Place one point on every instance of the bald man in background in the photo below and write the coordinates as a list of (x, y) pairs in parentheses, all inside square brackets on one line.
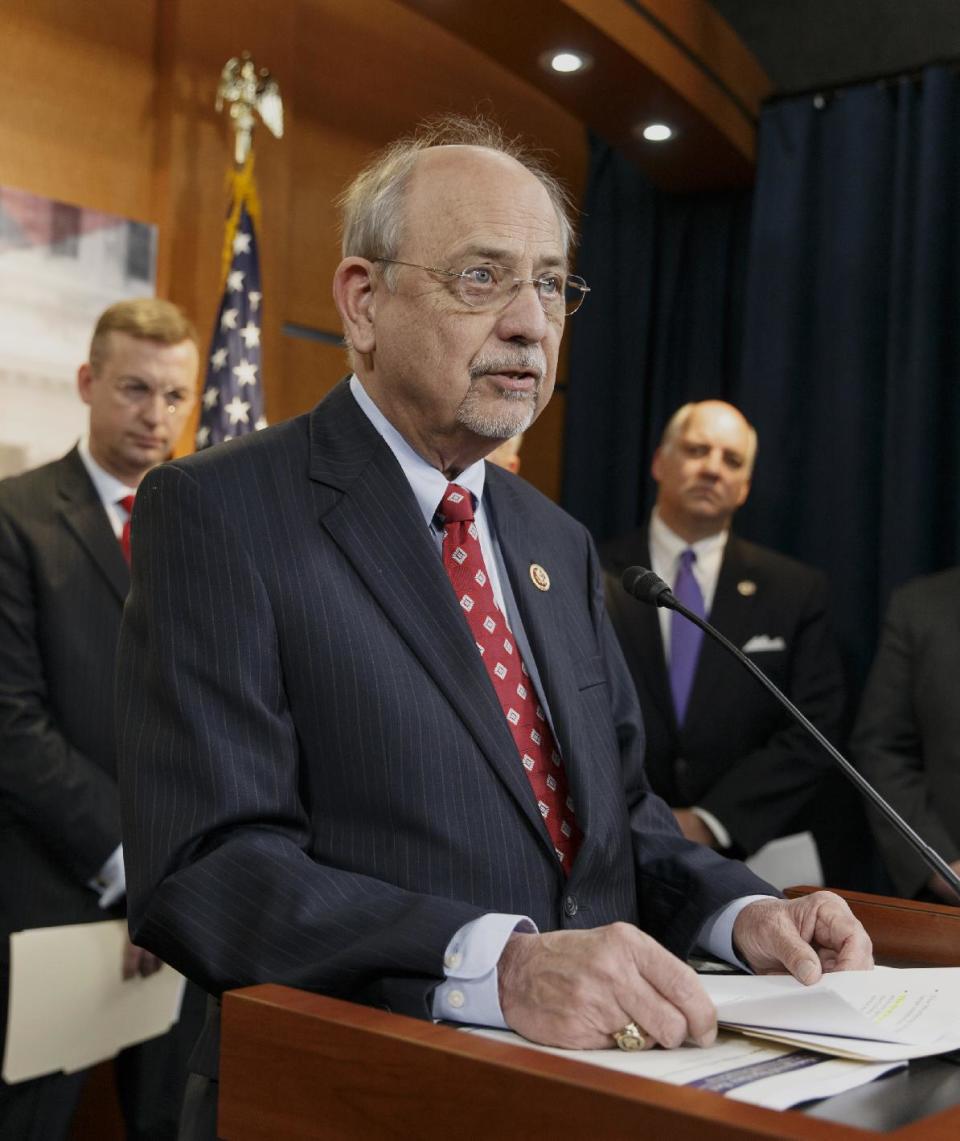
[(735, 769)]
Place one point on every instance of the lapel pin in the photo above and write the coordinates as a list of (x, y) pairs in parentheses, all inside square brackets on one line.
[(539, 577), (746, 587)]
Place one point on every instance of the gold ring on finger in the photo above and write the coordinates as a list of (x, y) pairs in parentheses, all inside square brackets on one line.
[(631, 1037)]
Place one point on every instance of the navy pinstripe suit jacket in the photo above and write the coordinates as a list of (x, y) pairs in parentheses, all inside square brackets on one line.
[(318, 783)]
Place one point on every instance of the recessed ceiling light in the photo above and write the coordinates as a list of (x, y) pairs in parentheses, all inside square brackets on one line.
[(565, 62), (657, 132)]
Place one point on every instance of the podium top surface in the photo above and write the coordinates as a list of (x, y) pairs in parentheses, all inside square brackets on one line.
[(301, 1065)]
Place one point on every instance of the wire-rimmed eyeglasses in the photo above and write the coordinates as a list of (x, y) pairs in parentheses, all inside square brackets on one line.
[(492, 286)]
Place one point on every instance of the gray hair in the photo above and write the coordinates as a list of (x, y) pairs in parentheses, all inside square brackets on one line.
[(372, 206)]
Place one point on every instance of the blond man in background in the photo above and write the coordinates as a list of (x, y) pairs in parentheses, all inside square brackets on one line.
[(64, 575)]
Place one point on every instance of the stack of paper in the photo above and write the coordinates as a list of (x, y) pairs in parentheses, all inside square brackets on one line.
[(846, 1030), (759, 1073), (886, 1014)]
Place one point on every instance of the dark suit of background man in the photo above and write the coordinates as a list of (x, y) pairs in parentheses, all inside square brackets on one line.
[(735, 768), (907, 736), (320, 782), (63, 579)]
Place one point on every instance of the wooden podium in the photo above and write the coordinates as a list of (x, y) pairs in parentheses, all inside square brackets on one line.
[(299, 1065)]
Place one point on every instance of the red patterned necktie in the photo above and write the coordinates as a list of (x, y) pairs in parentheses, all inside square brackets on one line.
[(463, 560), (127, 504)]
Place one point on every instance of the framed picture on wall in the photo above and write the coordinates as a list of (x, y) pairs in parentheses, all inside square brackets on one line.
[(61, 265)]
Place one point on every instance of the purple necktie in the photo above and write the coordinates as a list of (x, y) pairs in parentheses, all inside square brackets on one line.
[(685, 638)]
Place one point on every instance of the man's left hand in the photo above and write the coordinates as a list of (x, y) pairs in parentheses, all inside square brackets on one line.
[(808, 936)]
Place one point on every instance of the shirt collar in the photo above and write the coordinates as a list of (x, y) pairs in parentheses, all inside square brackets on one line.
[(110, 489), (671, 545), (427, 483)]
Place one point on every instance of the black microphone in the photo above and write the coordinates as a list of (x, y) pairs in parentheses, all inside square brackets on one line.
[(648, 587)]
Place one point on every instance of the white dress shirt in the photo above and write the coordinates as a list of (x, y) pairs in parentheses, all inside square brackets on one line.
[(666, 547)]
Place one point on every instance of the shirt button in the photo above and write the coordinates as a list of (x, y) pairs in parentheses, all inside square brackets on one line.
[(455, 999), (570, 907), (452, 960)]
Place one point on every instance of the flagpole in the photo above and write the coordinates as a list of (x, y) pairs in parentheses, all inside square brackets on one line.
[(231, 401)]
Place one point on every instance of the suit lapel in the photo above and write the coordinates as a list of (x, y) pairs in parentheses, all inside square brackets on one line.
[(730, 613), (369, 510), (732, 609), (84, 515)]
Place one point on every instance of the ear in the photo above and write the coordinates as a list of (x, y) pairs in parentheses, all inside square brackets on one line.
[(353, 294), (85, 382), (656, 464), (744, 492)]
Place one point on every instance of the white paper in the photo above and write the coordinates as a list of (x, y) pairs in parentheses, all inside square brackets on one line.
[(858, 1049), (886, 1013), (69, 1005), (747, 1070)]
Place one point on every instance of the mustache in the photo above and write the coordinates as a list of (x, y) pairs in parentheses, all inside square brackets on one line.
[(532, 360)]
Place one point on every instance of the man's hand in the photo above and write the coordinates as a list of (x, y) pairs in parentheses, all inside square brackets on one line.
[(576, 988), (804, 936), (694, 828), (137, 961)]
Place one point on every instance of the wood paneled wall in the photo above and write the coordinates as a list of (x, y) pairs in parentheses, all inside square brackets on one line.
[(110, 105)]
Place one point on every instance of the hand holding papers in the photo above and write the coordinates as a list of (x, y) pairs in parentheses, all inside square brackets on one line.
[(844, 1031), (70, 1006), (804, 936)]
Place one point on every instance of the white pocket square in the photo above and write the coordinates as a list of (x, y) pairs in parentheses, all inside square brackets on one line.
[(763, 643)]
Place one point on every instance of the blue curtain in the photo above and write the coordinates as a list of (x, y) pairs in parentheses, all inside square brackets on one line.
[(660, 327), (828, 310), (851, 355)]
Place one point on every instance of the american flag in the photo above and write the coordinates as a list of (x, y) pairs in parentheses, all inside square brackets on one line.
[(232, 401)]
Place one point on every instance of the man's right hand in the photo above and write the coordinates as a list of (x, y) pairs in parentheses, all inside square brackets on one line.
[(577, 988), (137, 961)]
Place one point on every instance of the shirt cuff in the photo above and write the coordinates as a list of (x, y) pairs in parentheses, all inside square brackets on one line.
[(469, 992), (716, 935), (717, 830), (110, 883)]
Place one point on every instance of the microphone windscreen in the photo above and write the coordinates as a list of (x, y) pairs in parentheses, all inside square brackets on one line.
[(644, 585)]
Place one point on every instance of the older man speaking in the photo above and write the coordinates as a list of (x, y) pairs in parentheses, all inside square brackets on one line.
[(379, 739)]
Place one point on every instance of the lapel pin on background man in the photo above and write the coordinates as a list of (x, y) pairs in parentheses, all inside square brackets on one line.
[(64, 551), (380, 762), (735, 769)]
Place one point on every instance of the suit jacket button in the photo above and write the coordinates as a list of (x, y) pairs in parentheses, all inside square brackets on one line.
[(570, 907)]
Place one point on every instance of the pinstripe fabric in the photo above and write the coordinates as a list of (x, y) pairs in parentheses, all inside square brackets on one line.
[(319, 785)]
